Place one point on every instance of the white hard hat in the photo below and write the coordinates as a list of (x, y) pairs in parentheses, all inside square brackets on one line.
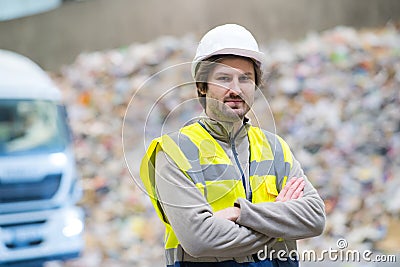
[(227, 39)]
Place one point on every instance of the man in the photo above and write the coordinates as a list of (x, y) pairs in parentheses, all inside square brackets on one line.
[(215, 182)]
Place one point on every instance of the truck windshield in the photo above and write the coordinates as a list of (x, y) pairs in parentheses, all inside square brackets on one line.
[(31, 126)]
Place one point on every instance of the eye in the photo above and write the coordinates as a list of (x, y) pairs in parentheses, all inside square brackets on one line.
[(223, 78), (244, 78)]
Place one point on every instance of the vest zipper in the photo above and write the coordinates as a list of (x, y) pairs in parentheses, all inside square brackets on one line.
[(235, 155)]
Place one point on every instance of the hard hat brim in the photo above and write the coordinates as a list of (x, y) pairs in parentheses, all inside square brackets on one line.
[(257, 56)]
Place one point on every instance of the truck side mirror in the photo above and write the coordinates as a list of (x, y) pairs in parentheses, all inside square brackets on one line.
[(64, 114)]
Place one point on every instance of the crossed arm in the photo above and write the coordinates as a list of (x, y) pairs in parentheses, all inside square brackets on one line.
[(297, 213), (294, 189)]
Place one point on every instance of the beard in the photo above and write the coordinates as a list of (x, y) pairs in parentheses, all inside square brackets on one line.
[(227, 111)]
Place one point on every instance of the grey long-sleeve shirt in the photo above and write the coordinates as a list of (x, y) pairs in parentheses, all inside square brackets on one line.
[(205, 237)]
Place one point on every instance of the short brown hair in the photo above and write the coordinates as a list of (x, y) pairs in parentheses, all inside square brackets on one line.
[(204, 68)]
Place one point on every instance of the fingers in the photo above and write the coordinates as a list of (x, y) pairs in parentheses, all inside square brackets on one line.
[(230, 213), (292, 190), (298, 190), (295, 189), (284, 190)]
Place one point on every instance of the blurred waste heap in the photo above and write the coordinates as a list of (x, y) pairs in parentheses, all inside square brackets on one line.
[(335, 97)]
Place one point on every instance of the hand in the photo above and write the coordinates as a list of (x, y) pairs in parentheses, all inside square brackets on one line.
[(231, 213), (292, 190)]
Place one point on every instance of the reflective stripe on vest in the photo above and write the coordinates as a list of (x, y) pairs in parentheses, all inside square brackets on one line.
[(202, 160)]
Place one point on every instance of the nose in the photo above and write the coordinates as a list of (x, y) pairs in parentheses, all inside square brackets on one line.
[(235, 86)]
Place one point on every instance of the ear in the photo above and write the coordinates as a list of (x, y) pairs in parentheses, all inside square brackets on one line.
[(201, 91)]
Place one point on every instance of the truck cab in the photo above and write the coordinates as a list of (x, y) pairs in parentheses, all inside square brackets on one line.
[(39, 185)]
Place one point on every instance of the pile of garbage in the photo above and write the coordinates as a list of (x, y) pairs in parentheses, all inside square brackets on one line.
[(335, 99)]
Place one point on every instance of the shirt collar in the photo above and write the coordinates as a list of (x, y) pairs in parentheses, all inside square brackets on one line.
[(223, 130)]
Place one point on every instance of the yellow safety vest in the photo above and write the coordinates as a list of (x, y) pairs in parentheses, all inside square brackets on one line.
[(198, 155)]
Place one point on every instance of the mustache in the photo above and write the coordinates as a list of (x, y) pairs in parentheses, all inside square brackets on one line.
[(235, 97)]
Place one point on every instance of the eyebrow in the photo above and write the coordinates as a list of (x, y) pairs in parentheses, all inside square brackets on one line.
[(225, 73)]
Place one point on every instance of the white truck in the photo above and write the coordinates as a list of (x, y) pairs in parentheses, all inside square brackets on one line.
[(39, 186)]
